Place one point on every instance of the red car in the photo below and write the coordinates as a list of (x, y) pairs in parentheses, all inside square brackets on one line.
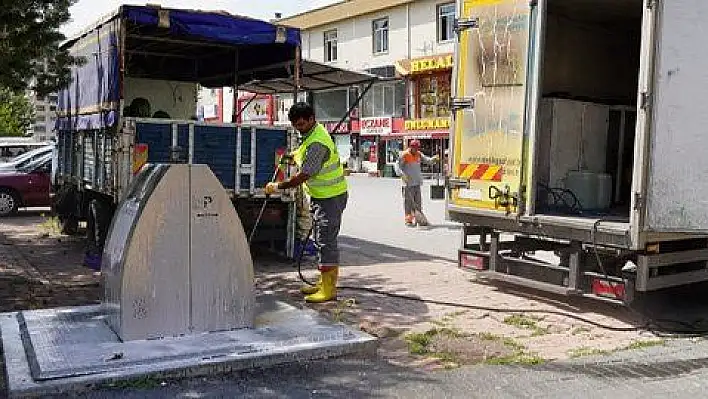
[(28, 186)]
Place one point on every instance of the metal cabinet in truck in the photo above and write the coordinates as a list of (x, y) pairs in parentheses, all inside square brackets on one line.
[(579, 151), (133, 101)]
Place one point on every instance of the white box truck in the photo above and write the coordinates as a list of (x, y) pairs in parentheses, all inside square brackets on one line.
[(580, 144)]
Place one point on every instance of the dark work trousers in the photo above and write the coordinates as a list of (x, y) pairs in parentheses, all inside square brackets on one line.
[(412, 199), (327, 218)]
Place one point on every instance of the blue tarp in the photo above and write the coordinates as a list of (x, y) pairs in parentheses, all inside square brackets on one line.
[(227, 29), (91, 101)]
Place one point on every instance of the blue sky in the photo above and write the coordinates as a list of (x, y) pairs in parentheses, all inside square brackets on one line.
[(86, 12)]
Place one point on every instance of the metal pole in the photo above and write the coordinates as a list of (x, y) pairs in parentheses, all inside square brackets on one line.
[(240, 111), (234, 115), (354, 105), (297, 72)]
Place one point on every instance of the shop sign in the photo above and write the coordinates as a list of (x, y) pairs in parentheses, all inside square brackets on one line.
[(257, 111), (343, 128), (428, 124), (431, 64), (380, 126)]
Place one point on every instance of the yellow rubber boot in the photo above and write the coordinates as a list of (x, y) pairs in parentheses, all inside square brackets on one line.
[(308, 289), (328, 289)]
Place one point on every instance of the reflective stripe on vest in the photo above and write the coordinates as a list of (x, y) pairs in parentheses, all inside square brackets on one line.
[(329, 181)]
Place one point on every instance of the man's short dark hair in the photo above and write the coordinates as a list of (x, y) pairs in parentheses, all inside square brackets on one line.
[(299, 111)]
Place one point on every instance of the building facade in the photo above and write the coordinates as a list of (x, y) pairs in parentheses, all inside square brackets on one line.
[(411, 41), (45, 115)]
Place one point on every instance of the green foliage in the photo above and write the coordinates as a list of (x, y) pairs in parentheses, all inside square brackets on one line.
[(29, 36), (16, 113)]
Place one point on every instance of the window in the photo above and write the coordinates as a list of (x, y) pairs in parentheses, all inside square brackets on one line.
[(385, 100), (41, 108), (52, 107), (40, 128), (331, 105), (446, 22), (330, 45), (380, 35)]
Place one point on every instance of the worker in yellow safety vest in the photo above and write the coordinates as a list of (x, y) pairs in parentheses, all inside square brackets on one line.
[(322, 176)]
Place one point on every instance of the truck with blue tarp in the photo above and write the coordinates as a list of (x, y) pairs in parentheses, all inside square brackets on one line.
[(133, 100)]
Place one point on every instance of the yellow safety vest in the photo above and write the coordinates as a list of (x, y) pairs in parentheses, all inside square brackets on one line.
[(329, 182)]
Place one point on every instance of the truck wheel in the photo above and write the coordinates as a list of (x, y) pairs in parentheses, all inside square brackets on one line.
[(9, 202)]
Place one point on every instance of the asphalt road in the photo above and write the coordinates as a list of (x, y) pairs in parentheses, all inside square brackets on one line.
[(375, 214)]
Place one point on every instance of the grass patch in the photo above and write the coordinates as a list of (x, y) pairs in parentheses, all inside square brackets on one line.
[(641, 344), (586, 351), (421, 343), (506, 341), (339, 313), (50, 225), (449, 317), (519, 355), (138, 383), (522, 358), (455, 347), (526, 323), (580, 330)]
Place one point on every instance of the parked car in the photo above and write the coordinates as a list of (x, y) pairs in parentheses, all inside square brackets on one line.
[(26, 158), (28, 186), (12, 147)]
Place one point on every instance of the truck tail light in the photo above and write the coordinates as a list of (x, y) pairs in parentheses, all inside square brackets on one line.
[(608, 289), (474, 262)]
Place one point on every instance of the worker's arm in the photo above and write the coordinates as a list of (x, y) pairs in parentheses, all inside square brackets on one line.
[(295, 181), (428, 160), (401, 166), (315, 158)]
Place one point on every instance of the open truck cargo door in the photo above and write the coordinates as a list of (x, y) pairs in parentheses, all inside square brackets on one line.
[(490, 102), (671, 162)]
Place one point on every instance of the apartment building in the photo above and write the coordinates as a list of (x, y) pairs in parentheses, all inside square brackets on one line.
[(409, 41), (45, 110)]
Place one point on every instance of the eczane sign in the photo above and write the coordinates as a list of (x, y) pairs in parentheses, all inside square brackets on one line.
[(379, 126)]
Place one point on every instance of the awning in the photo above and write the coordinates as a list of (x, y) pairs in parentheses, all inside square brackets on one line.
[(315, 77)]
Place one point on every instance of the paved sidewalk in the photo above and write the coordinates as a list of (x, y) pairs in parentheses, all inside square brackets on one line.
[(548, 335), (379, 252), (40, 268)]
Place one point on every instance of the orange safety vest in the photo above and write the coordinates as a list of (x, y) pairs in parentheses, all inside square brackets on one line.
[(410, 158)]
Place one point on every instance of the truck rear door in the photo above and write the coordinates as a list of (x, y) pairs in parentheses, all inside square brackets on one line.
[(673, 120), (490, 90)]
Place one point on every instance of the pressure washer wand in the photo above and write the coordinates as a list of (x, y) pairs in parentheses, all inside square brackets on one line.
[(258, 222), (263, 207)]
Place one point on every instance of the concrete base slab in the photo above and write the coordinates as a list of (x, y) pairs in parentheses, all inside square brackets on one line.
[(70, 349)]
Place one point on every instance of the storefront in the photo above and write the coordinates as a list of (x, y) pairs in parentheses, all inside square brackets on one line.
[(429, 82), (372, 148), (342, 138)]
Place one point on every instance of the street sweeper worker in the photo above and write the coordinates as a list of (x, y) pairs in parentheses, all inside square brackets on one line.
[(409, 164), (322, 176)]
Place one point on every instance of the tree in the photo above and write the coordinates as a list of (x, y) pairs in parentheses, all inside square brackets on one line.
[(16, 113), (29, 45)]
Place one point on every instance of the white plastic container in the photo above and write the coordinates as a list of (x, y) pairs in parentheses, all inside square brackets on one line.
[(593, 190)]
